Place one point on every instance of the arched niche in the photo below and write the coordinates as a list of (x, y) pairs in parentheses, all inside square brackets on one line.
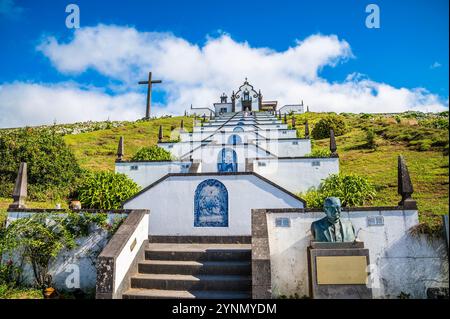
[(211, 204)]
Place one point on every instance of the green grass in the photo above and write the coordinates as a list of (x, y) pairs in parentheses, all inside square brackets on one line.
[(429, 170), (19, 293), (97, 150)]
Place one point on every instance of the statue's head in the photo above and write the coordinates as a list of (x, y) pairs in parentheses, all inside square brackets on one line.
[(332, 207)]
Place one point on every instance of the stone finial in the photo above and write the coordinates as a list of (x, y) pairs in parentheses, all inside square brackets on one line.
[(307, 108), (120, 152), (293, 121), (405, 187), (223, 98), (20, 188), (306, 129), (333, 147), (160, 134), (210, 116)]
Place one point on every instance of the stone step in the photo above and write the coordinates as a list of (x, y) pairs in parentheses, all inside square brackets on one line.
[(184, 267), (189, 282), (199, 252), (184, 294), (200, 239)]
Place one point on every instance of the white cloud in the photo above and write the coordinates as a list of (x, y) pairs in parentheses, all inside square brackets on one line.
[(34, 104), (435, 65), (198, 74)]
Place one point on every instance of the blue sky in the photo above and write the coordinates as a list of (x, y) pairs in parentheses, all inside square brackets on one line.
[(409, 51)]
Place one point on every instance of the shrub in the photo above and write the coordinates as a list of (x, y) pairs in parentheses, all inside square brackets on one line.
[(319, 152), (422, 145), (39, 242), (370, 139), (39, 238), (366, 116), (438, 123), (152, 153), (322, 128), (105, 190), (51, 164), (351, 189)]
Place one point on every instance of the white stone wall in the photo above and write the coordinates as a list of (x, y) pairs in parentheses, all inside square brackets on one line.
[(127, 255), (399, 261), (219, 106), (145, 173), (180, 148), (171, 204), (74, 266), (287, 147), (297, 175), (278, 133), (249, 131), (296, 108), (209, 155), (226, 128)]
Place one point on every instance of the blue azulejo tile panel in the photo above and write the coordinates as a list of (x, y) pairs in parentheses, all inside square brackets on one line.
[(234, 139), (211, 204), (227, 160)]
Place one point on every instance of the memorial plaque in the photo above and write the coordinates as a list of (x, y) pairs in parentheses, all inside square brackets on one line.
[(341, 270)]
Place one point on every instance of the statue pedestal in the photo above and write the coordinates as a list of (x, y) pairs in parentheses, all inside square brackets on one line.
[(338, 270)]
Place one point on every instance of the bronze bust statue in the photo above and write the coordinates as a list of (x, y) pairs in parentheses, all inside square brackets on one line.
[(331, 228)]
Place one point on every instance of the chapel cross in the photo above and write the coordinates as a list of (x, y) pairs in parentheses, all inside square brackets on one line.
[(149, 92)]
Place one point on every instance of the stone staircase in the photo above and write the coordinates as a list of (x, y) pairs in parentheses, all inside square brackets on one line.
[(193, 270)]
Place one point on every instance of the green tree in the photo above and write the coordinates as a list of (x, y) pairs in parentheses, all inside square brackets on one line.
[(39, 241), (51, 164), (39, 238), (152, 153), (370, 139), (105, 190), (322, 128)]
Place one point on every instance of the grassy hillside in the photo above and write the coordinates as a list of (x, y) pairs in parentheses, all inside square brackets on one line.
[(422, 139), (97, 150)]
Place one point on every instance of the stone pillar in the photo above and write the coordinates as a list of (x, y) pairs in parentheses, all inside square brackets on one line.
[(160, 134), (20, 191), (405, 187), (259, 100), (233, 102), (333, 147), (120, 152), (306, 129)]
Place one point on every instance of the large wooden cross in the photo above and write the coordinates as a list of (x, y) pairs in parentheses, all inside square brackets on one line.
[(149, 92)]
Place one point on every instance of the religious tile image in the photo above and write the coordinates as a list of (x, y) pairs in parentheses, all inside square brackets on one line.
[(211, 204), (145, 156)]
